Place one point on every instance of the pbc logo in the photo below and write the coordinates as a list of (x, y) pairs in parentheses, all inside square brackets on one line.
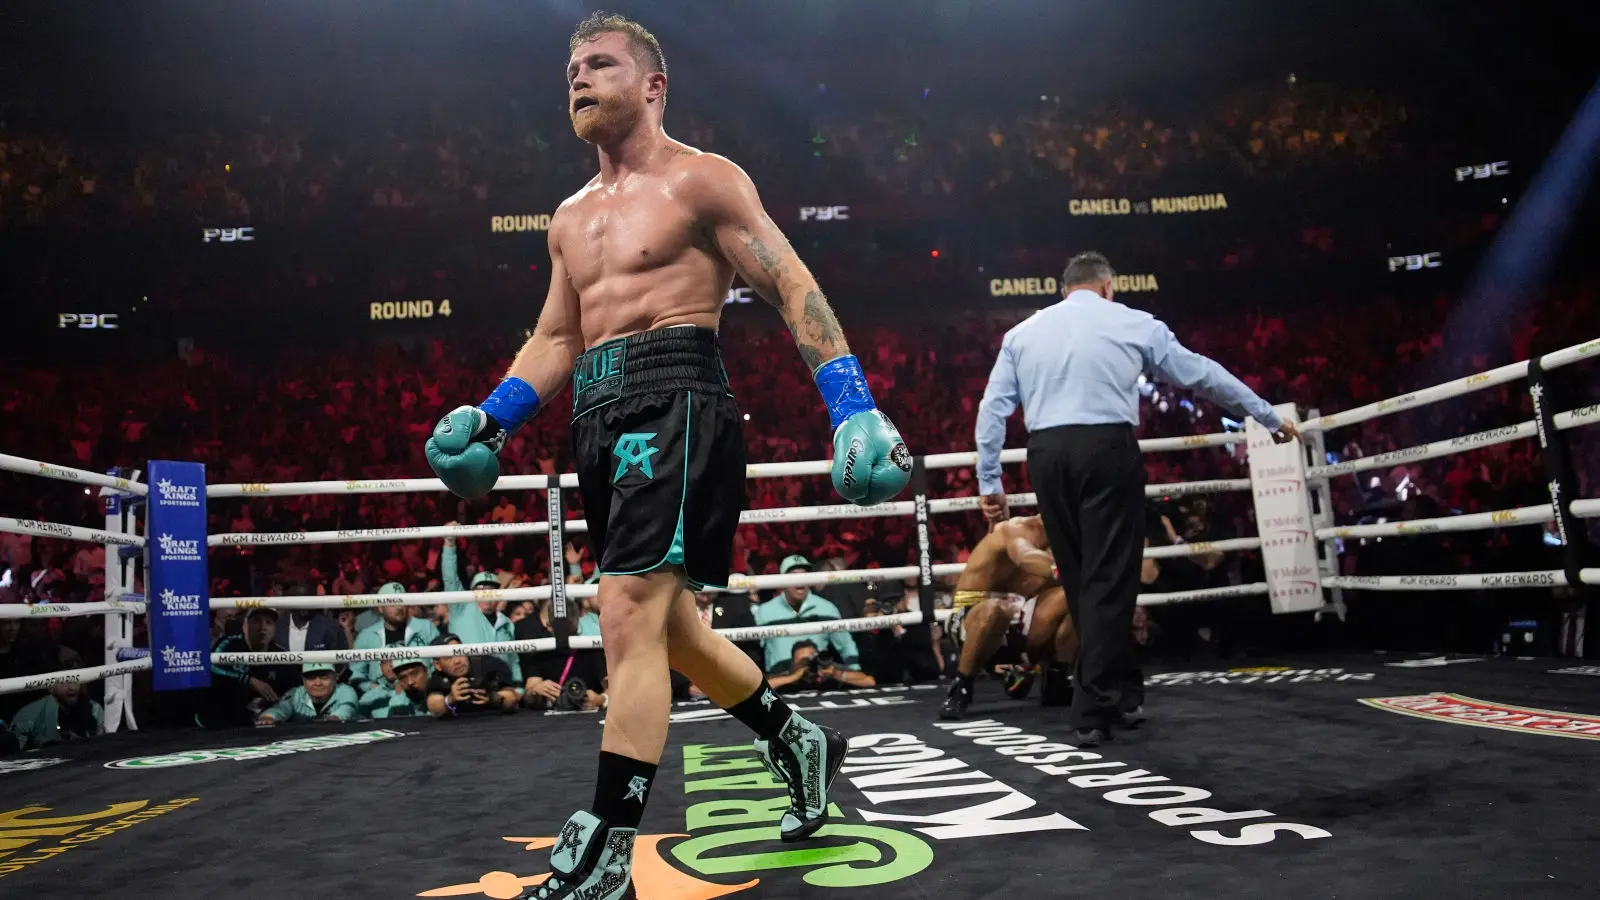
[(106, 321), (227, 235), (1415, 262), (824, 213), (739, 295), (1487, 170)]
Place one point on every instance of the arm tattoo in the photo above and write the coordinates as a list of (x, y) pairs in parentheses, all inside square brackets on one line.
[(815, 328), (818, 332), (768, 260)]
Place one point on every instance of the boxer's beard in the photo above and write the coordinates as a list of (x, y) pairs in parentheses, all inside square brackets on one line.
[(610, 120)]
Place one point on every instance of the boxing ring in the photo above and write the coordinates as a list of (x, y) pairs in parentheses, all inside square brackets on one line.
[(1286, 777)]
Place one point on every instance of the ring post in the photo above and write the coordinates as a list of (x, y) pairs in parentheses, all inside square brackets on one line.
[(177, 585), (1322, 516), (1562, 480), (555, 509), (919, 486), (119, 507)]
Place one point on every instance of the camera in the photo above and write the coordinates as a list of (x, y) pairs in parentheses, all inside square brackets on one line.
[(573, 694), (490, 684)]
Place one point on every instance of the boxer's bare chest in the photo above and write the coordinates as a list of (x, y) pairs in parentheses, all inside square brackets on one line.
[(628, 230)]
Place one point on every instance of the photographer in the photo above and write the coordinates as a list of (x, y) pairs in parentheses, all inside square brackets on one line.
[(899, 654), (463, 685), (808, 671), (406, 696), (562, 681)]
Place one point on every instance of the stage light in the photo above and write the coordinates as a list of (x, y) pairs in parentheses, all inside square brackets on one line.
[(934, 254)]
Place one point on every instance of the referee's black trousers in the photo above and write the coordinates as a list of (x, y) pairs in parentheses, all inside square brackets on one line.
[(1090, 482)]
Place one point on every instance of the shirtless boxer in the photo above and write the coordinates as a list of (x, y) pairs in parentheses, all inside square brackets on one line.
[(1010, 561), (641, 259)]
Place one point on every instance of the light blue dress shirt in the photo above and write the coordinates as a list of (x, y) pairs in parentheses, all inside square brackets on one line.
[(1077, 362)]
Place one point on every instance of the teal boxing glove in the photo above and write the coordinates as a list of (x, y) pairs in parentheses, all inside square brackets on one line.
[(464, 446), (871, 464)]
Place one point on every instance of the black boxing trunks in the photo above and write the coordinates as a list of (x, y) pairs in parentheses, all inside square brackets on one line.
[(659, 443)]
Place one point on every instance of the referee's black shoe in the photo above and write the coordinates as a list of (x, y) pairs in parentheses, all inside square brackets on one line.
[(1130, 718), (955, 705), (1091, 737)]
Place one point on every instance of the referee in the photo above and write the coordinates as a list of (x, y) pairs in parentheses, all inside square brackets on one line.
[(1074, 366)]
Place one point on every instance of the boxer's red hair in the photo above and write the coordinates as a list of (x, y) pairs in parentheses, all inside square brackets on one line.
[(646, 49)]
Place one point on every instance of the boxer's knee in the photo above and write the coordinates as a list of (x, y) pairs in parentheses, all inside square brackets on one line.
[(633, 613)]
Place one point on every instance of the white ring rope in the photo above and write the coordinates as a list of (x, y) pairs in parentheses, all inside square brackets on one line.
[(1449, 389), (66, 610), (1569, 355), (1232, 545), (69, 532), (1500, 518), (27, 466), (588, 642), (81, 676), (1577, 418), (379, 486), (735, 583), (353, 536), (1460, 386), (576, 642), (748, 517), (1232, 590), (569, 480), (1431, 450), (1491, 581), (1585, 509)]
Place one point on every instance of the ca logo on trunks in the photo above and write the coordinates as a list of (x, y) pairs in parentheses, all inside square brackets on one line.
[(634, 451)]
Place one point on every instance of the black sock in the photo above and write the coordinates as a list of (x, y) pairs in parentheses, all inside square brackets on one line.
[(762, 712), (621, 788), (965, 680)]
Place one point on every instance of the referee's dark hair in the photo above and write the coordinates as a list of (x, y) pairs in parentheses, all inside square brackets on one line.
[(1086, 268)]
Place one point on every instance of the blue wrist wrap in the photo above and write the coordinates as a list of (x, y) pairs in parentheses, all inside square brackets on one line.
[(844, 388), (512, 403)]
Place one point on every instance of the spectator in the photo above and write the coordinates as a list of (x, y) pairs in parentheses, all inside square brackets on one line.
[(308, 629), (799, 604), (239, 692), (319, 698), (463, 685), (808, 670), (398, 628), (478, 622), (405, 696), (515, 578), (350, 580), (505, 512), (65, 714), (11, 663)]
